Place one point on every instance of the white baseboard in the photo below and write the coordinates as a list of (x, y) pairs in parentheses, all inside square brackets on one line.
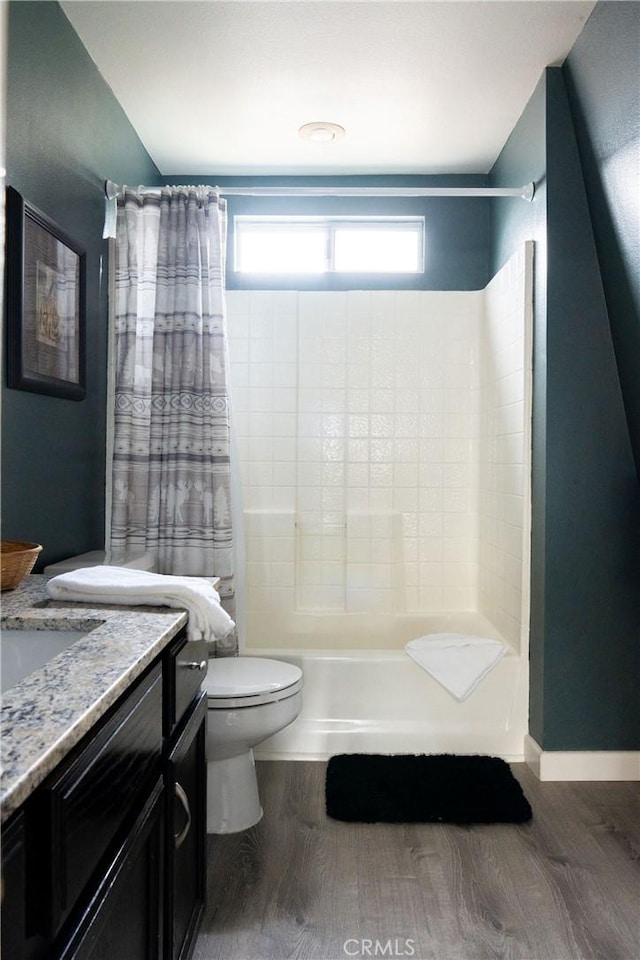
[(581, 764)]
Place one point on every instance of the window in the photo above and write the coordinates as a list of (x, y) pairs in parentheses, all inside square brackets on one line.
[(315, 245)]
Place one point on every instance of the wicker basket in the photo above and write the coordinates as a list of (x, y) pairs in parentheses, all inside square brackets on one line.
[(16, 562)]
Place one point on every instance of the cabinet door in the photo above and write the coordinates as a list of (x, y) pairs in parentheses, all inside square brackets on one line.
[(185, 666), (13, 889), (186, 836), (79, 813), (124, 919)]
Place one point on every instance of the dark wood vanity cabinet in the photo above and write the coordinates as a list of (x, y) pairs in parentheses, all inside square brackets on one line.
[(105, 861)]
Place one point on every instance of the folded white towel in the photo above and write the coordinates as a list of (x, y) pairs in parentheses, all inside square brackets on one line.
[(456, 661), (124, 586)]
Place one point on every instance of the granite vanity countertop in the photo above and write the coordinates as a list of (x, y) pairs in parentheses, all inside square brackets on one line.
[(49, 712)]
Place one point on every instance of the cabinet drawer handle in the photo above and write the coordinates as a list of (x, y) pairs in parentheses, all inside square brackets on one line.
[(179, 837), (193, 664)]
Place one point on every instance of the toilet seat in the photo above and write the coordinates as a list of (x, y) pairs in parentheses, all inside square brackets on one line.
[(234, 682)]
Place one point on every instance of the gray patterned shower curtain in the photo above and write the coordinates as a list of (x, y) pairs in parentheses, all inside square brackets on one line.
[(170, 490)]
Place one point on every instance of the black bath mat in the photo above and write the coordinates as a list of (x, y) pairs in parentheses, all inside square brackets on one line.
[(371, 788)]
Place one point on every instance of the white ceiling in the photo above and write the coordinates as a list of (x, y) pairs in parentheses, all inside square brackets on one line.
[(222, 87)]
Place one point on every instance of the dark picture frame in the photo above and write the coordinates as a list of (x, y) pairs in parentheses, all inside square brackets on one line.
[(45, 304)]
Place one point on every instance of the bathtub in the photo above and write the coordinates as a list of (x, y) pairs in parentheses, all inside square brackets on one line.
[(375, 700)]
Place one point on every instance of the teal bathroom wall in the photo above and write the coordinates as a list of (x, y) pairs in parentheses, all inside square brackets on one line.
[(592, 591), (585, 617), (66, 133), (456, 229), (602, 74)]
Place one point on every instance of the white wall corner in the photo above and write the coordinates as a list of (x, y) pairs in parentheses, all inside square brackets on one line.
[(581, 764)]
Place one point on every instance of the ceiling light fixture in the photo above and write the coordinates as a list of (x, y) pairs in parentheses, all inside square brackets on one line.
[(321, 132)]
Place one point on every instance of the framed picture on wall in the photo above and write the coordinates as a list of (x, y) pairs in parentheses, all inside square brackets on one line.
[(45, 304)]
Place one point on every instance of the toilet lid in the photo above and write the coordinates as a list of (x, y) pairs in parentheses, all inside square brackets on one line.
[(240, 677)]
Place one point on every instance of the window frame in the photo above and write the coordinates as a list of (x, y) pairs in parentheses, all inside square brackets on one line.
[(329, 225)]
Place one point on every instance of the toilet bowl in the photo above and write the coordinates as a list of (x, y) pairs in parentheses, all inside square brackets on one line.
[(248, 700)]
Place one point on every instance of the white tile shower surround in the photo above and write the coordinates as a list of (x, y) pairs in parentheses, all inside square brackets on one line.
[(359, 476), (383, 442), (504, 479)]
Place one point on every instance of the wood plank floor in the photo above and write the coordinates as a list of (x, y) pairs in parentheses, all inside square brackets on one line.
[(565, 886)]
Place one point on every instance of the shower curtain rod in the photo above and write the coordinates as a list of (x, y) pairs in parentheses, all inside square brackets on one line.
[(526, 192)]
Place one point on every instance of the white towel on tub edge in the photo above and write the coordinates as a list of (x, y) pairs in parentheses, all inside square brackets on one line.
[(458, 662)]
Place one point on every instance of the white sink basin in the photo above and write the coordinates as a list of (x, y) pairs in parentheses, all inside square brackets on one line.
[(24, 651)]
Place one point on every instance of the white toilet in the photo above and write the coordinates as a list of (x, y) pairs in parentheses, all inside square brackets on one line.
[(249, 699)]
